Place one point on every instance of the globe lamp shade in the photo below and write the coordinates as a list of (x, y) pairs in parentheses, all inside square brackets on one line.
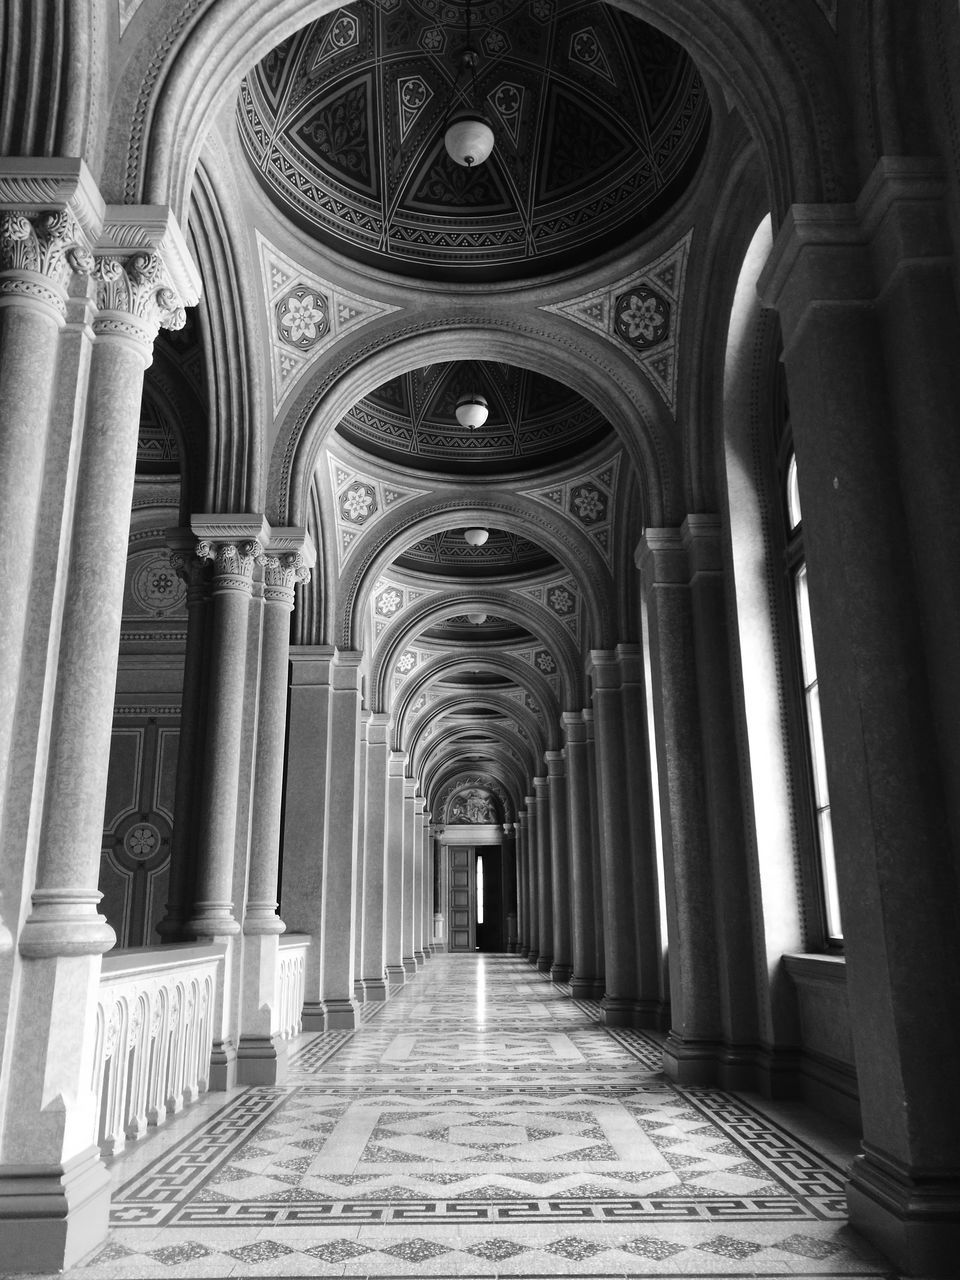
[(476, 537), (478, 619), (468, 139), (472, 411)]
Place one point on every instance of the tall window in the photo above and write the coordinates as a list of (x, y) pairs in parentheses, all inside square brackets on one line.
[(816, 759)]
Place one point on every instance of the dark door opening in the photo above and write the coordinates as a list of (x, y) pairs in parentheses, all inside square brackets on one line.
[(491, 931)]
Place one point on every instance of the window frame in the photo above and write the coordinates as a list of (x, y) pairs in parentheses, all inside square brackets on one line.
[(816, 870)]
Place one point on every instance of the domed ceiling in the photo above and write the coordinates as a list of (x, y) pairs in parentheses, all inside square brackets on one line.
[(410, 421), (448, 553), (599, 122)]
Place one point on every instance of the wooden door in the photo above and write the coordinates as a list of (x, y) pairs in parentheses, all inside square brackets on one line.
[(463, 899)]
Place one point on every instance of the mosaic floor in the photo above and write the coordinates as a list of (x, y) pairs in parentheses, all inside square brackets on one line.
[(481, 1123)]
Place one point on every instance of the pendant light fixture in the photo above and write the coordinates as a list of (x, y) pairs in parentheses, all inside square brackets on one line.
[(472, 410), (475, 537), (468, 137)]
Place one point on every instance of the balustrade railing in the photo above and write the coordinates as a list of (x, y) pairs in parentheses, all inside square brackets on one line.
[(154, 1036), (290, 983)]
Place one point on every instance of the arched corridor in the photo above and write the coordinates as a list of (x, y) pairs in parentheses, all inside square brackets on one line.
[(483, 1123)]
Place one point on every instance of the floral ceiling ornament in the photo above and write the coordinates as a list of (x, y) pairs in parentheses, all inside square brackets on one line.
[(587, 502), (303, 318), (641, 315), (642, 318), (358, 503)]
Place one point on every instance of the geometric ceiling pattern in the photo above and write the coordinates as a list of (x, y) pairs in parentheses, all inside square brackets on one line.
[(360, 502), (448, 553), (411, 420), (589, 500), (640, 315), (600, 122), (306, 316)]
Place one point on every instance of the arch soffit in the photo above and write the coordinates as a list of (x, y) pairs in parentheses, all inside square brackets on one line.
[(435, 772), (539, 621), (539, 736), (497, 663), (506, 328), (432, 514), (772, 59)]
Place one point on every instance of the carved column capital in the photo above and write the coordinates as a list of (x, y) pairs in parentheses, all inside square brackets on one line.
[(233, 562), (40, 252), (281, 573), (136, 297)]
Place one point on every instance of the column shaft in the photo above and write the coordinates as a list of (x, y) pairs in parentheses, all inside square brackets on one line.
[(559, 853), (585, 979), (394, 869), (372, 917)]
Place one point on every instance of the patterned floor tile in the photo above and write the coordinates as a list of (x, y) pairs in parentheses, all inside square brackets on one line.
[(455, 1136)]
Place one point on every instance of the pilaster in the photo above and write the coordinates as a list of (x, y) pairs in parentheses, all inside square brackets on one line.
[(544, 889), (559, 853), (868, 309)]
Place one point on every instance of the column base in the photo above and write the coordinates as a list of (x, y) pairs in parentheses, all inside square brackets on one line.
[(586, 988), (313, 1015), (560, 973), (421, 958), (544, 963), (617, 1011), (651, 1015), (223, 1066), (50, 1217), (915, 1219), (396, 976), (690, 1062), (339, 1015), (374, 990), (523, 951), (261, 1060), (409, 965)]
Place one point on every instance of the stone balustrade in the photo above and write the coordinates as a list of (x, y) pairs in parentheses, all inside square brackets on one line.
[(155, 1026), (291, 979)]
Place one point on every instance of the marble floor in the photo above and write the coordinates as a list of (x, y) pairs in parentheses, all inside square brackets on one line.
[(482, 1123)]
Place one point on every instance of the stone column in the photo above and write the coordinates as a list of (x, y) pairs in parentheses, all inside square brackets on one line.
[(868, 309), (585, 981), (544, 876), (649, 1009), (338, 891), (184, 857), (693, 1044), (232, 544), (533, 879), (359, 894), (409, 887), (261, 1053), (396, 975), (559, 855), (419, 879), (510, 885), (305, 811), (41, 254), (372, 916), (523, 889), (437, 942), (616, 851), (54, 1192), (591, 751), (426, 896), (736, 959)]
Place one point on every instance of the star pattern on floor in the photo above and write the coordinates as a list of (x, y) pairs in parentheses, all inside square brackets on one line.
[(479, 1123)]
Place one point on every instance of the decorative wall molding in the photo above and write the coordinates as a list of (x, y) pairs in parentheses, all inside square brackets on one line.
[(641, 315), (306, 316)]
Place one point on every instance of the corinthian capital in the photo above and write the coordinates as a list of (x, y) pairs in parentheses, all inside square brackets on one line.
[(138, 286), (281, 573), (49, 244), (232, 562)]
